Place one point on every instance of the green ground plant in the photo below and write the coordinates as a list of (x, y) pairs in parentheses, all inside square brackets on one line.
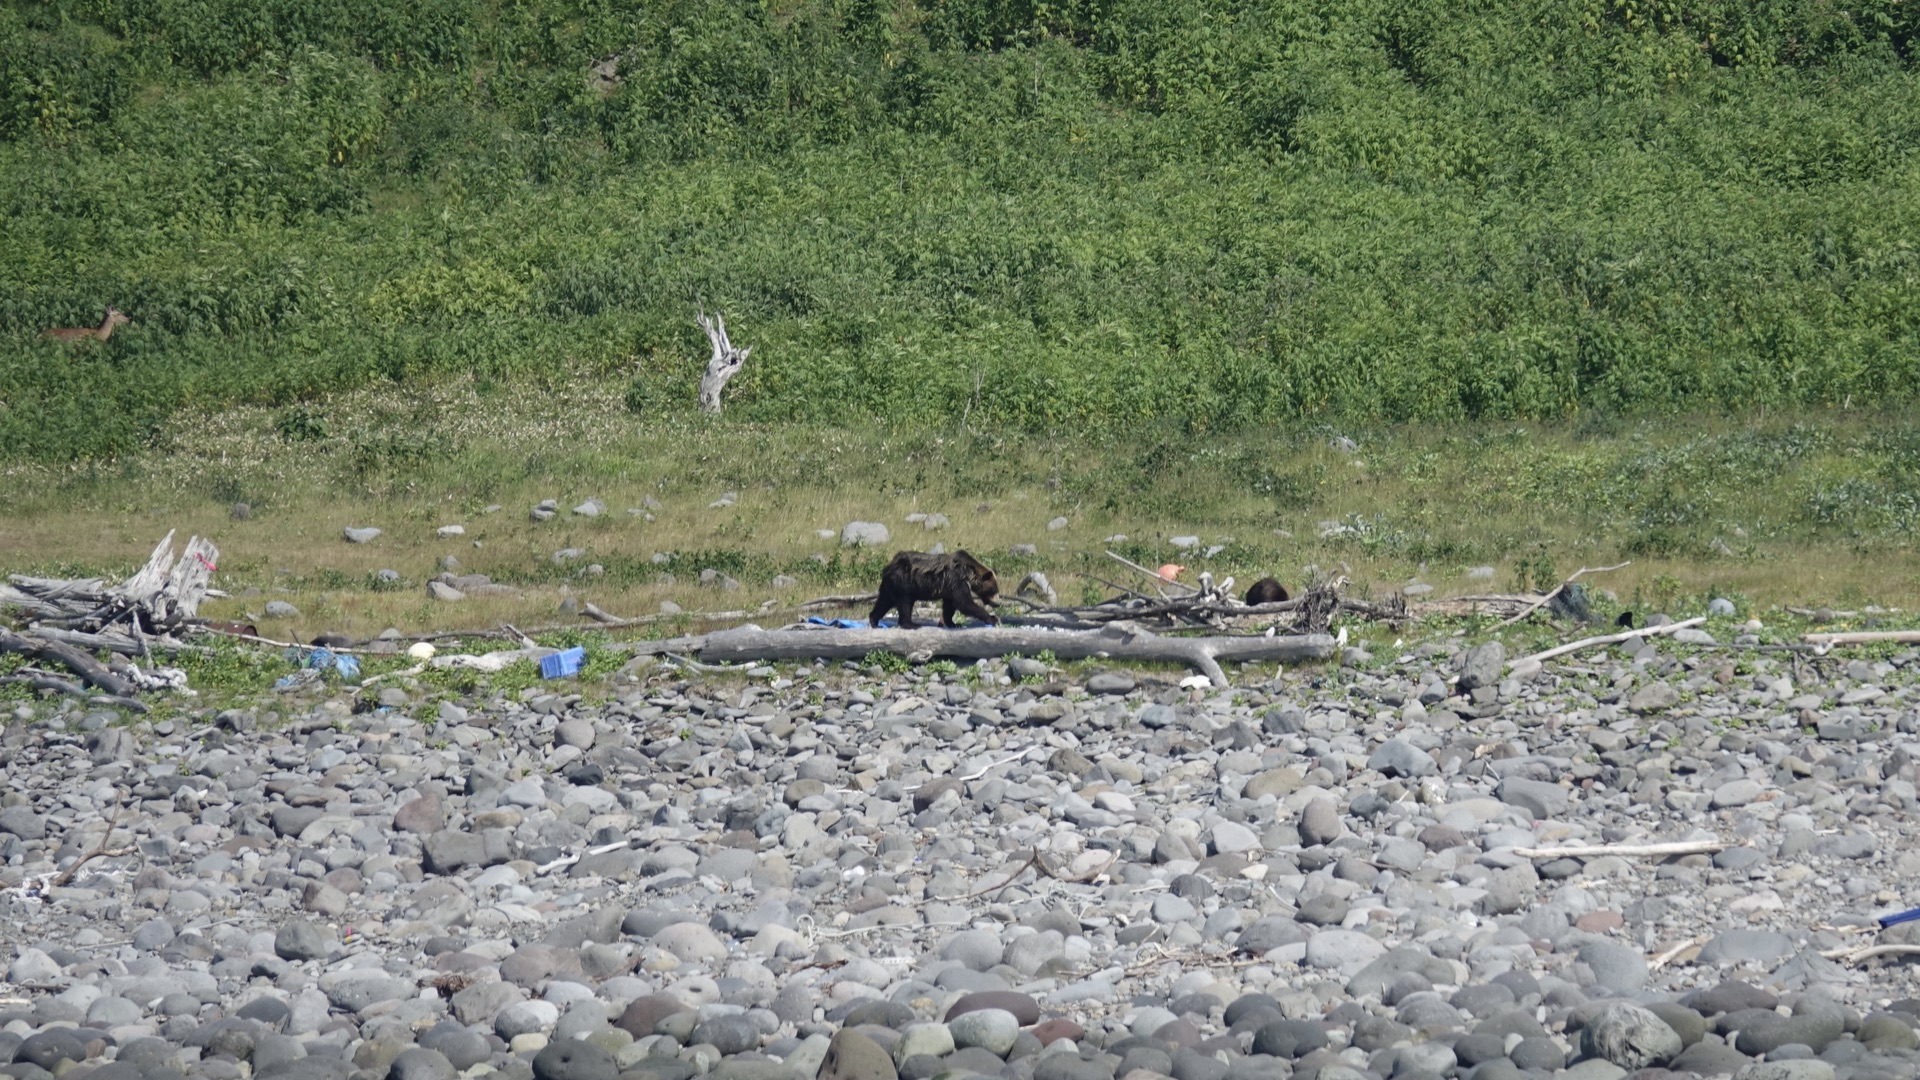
[(1213, 215)]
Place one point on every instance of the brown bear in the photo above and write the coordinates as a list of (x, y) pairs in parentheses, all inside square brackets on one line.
[(959, 581), (1266, 591)]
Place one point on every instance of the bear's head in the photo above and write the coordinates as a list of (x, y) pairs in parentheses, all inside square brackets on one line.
[(979, 578)]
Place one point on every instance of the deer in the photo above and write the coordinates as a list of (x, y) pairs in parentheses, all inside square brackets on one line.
[(115, 317)]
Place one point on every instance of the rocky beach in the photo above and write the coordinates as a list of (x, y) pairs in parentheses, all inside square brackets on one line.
[(1340, 872)]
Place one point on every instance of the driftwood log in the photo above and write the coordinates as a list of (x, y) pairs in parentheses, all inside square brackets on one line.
[(162, 595), (77, 662), (1864, 637), (1203, 654), (73, 618)]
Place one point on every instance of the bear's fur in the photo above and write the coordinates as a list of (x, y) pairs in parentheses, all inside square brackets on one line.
[(959, 581), (1266, 591)]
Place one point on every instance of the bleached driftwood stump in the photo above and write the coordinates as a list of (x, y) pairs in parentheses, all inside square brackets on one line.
[(725, 364)]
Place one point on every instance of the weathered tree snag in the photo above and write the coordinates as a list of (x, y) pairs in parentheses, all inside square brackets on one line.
[(725, 363), (1113, 642)]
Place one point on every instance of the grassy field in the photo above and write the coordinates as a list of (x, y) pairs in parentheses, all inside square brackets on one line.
[(1221, 214), (1767, 511)]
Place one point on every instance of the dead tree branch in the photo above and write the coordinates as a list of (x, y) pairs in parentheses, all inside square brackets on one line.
[(1561, 588), (725, 363)]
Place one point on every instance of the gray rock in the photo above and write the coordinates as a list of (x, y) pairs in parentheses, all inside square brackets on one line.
[(1108, 682), (1398, 758), (462, 1047), (1322, 909), (1537, 797), (993, 1030), (525, 1017), (923, 1039), (1804, 1069), (853, 1056), (358, 988), (1630, 1037), (574, 1059), (691, 942), (361, 536), (1169, 908), (1620, 968), (34, 967), (1289, 1038), (1510, 890), (1858, 845), (729, 1034), (1483, 665), (280, 609), (1653, 698), (1537, 1052), (48, 1048), (1767, 1032), (1746, 946), (1320, 820), (979, 950), (1233, 838), (864, 534), (302, 940), (421, 1064)]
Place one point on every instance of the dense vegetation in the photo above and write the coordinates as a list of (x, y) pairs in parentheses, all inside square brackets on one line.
[(1086, 213)]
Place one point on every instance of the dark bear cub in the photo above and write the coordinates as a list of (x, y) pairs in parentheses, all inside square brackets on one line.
[(1266, 591), (959, 581)]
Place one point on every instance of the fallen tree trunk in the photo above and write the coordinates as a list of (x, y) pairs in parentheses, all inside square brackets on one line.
[(1864, 637), (113, 642), (1204, 654), (92, 671)]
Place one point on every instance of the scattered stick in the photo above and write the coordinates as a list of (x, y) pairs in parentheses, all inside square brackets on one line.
[(1868, 952), (258, 640), (1122, 589), (1606, 639), (99, 850), (1035, 862), (1580, 851), (820, 603), (1664, 958), (1561, 588), (1160, 582), (569, 860), (710, 669), (984, 769)]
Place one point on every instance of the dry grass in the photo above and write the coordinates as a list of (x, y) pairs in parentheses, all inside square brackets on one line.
[(1769, 512)]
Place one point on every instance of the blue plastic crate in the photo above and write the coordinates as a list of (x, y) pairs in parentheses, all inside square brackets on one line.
[(563, 663)]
